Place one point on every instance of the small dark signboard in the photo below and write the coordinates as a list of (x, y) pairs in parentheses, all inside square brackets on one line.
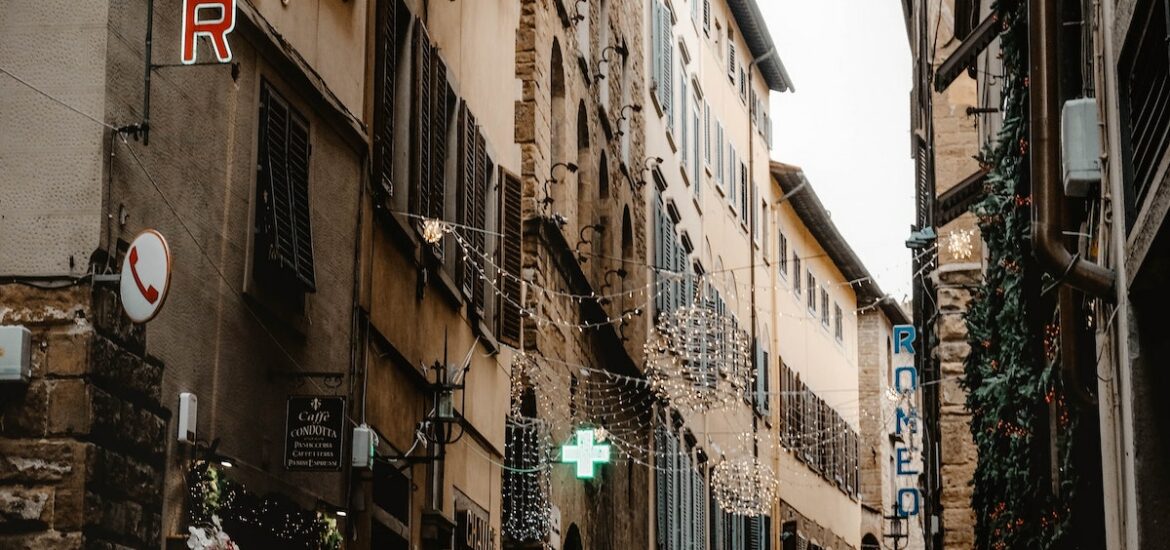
[(313, 433)]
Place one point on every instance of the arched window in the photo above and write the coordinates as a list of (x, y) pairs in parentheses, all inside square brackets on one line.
[(582, 8), (604, 67), (573, 539), (627, 238), (557, 112), (603, 177), (584, 215)]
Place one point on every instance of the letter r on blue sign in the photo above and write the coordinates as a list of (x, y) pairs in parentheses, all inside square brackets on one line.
[(904, 336)]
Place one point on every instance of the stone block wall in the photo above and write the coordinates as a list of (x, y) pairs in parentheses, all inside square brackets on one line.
[(955, 283), (82, 445)]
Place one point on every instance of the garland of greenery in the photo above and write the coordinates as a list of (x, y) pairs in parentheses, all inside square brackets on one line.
[(1013, 388), (214, 496)]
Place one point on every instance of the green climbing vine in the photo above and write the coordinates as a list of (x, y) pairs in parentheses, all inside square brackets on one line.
[(1014, 392)]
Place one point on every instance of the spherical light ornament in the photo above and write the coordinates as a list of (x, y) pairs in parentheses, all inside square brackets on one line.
[(744, 486), (698, 359)]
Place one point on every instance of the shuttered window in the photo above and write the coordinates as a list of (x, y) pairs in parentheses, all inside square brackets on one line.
[(838, 323), (674, 282), (743, 194), (730, 59), (386, 70), (732, 185), (1145, 78), (284, 236), (432, 96), (663, 58), (684, 148), (762, 379), (475, 169), (812, 293), (824, 307), (783, 255), (795, 273), (510, 260), (707, 133), (696, 160), (719, 153), (706, 16)]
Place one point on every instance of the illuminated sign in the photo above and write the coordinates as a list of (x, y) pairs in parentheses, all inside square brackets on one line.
[(585, 453), (908, 501), (210, 19)]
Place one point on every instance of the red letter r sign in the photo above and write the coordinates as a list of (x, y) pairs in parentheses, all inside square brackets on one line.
[(197, 22)]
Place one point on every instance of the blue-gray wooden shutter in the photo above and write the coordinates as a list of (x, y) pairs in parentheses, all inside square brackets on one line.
[(662, 528), (666, 82)]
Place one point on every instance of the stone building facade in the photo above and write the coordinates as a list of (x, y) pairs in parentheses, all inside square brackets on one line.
[(92, 457)]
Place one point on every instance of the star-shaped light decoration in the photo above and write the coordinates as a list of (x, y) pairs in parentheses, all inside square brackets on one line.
[(961, 244)]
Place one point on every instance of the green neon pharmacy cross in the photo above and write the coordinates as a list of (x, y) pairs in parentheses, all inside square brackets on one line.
[(585, 454)]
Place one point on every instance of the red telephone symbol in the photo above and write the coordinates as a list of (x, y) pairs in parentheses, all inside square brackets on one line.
[(148, 292)]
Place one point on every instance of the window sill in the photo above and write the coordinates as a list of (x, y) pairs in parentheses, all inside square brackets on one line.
[(722, 191), (670, 139), (698, 205), (654, 98), (447, 285), (707, 169), (682, 169)]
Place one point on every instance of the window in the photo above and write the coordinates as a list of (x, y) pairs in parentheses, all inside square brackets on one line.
[(707, 133), (824, 307), (719, 155), (390, 22), (838, 323), (1143, 71), (697, 159), (732, 186), (510, 259), (707, 16), (390, 525), (669, 255), (283, 247), (476, 171), (730, 58), (742, 84), (663, 59), (761, 382), (684, 150), (812, 293), (783, 255), (430, 125), (681, 494), (763, 230), (743, 194), (795, 273)]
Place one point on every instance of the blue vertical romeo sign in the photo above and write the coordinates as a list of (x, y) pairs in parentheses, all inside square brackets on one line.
[(908, 500)]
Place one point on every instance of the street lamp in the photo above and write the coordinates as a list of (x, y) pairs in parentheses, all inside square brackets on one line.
[(897, 526)]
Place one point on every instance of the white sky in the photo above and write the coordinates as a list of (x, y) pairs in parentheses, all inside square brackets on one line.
[(848, 123)]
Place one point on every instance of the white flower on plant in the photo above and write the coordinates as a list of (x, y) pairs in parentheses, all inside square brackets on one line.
[(210, 537)]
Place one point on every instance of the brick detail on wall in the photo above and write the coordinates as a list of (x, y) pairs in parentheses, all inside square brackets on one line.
[(81, 445)]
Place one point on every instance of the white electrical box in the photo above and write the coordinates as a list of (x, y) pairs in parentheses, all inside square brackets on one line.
[(364, 443), (188, 416), (1080, 146), (15, 354)]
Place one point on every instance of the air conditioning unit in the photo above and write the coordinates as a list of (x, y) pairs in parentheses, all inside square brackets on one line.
[(1080, 146), (15, 354)]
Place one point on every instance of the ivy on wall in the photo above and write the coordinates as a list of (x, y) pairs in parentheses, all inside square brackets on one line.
[(1014, 391)]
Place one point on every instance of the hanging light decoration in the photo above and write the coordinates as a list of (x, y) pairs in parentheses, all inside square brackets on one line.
[(434, 229), (699, 359), (527, 486), (744, 486)]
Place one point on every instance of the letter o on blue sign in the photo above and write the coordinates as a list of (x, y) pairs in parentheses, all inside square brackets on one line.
[(908, 502)]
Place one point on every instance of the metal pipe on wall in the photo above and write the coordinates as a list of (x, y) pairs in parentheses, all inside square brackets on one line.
[(1044, 126)]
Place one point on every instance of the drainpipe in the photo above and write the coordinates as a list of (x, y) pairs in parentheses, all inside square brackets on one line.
[(1044, 104)]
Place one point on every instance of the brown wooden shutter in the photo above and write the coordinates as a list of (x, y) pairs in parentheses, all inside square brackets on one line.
[(479, 221), (284, 237), (386, 68), (510, 259), (466, 194), (420, 198), (440, 91)]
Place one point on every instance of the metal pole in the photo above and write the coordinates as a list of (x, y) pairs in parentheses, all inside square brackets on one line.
[(145, 127)]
